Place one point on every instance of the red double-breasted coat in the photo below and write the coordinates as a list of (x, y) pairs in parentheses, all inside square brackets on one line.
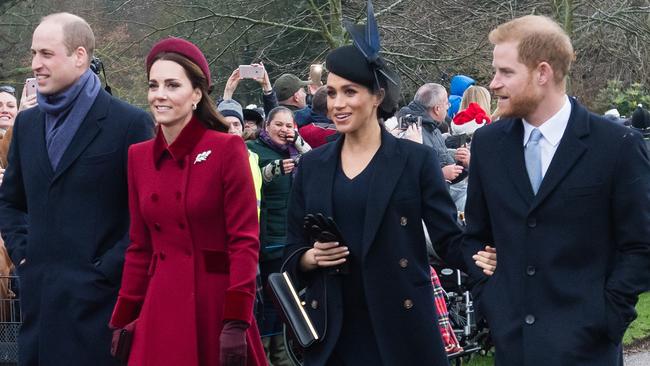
[(194, 248)]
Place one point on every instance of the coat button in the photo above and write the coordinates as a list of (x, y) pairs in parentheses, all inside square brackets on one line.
[(154, 197), (408, 304), (530, 270), (156, 226), (162, 256), (314, 304), (181, 226), (403, 221), (530, 319), (532, 222), (403, 262), (178, 196)]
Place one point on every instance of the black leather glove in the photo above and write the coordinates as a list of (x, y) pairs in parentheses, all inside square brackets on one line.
[(232, 342), (324, 229)]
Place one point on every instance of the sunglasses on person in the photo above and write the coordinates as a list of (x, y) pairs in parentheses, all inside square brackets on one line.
[(8, 89)]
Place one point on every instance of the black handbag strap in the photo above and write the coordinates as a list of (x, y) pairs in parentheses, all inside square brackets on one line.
[(299, 250)]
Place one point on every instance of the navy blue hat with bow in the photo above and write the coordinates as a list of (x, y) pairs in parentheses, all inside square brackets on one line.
[(361, 63)]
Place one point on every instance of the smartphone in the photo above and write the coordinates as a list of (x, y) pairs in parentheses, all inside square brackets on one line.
[(316, 74), (462, 140), (406, 121), (251, 71), (31, 86)]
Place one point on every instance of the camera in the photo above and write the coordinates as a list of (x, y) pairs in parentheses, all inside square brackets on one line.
[(409, 119), (96, 65)]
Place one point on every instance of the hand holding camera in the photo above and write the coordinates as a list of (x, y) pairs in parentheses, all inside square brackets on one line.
[(462, 156), (289, 136)]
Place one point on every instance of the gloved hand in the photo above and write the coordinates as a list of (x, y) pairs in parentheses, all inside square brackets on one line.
[(232, 342), (324, 229)]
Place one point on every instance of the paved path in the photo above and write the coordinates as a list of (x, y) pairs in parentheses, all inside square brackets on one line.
[(638, 359)]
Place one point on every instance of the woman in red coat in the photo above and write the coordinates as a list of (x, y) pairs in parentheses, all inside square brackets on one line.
[(189, 275)]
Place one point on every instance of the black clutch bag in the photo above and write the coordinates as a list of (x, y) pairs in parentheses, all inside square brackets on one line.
[(292, 310), (121, 342)]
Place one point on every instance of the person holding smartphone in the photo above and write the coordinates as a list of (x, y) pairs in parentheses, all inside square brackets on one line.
[(279, 146)]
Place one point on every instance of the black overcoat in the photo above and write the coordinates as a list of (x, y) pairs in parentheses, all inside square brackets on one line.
[(571, 259), (407, 187), (70, 225)]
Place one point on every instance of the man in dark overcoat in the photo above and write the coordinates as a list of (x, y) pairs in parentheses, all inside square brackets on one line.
[(63, 202), (564, 195)]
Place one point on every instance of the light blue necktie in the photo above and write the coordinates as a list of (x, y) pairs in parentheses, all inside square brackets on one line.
[(533, 155)]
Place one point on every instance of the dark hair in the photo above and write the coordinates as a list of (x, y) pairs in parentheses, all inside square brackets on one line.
[(275, 111), (206, 111), (319, 102)]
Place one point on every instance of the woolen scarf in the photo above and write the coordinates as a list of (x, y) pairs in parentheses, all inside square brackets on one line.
[(64, 113)]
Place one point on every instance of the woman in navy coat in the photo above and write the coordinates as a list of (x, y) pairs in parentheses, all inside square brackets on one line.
[(378, 189)]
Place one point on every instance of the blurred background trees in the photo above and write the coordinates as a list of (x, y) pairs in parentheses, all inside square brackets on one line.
[(426, 41)]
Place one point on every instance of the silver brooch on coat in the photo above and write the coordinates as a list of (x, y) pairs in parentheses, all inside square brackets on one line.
[(202, 156)]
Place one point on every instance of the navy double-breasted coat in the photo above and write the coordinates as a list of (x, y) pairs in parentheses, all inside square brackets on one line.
[(70, 226), (571, 259), (406, 188)]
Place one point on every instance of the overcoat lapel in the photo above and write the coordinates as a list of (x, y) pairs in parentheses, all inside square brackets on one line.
[(87, 131), (39, 134), (511, 149), (387, 172), (567, 154)]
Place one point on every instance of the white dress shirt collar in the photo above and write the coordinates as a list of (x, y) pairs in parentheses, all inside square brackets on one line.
[(553, 128)]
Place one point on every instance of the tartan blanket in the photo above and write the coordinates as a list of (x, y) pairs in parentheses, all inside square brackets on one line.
[(446, 331)]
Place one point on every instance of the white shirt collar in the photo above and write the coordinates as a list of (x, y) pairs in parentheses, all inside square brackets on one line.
[(553, 128)]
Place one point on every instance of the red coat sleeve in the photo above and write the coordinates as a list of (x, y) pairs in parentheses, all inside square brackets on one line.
[(138, 257), (242, 230)]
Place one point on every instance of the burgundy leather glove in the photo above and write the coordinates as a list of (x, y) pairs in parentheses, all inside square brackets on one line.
[(121, 342), (233, 343)]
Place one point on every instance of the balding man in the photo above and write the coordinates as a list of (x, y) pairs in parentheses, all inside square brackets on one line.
[(63, 202), (430, 103)]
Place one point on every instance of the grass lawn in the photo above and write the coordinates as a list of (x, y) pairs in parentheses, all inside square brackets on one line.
[(639, 329)]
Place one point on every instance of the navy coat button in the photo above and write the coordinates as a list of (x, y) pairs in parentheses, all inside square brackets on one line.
[(532, 222), (403, 221), (97, 262), (530, 319), (403, 262), (408, 304), (314, 304), (530, 270), (156, 226)]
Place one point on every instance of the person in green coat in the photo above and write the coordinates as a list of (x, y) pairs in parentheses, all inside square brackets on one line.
[(279, 148)]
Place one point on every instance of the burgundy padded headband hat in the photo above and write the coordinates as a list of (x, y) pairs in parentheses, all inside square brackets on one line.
[(183, 48)]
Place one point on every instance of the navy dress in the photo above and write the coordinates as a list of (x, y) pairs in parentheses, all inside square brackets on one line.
[(357, 343)]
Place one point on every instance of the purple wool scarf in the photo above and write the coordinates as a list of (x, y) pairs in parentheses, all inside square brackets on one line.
[(64, 113)]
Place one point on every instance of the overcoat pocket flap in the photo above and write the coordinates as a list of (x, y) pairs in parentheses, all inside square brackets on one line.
[(216, 261)]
